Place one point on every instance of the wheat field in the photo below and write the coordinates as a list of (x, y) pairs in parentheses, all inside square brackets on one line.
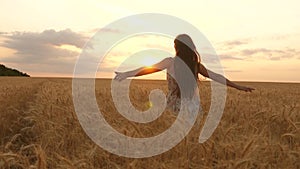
[(39, 128)]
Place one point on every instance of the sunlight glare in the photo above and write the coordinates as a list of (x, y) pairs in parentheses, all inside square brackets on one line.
[(149, 61)]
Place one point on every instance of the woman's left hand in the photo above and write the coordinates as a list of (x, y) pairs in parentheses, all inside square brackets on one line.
[(245, 89)]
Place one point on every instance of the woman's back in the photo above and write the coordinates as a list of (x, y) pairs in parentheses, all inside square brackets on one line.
[(173, 99), (173, 96)]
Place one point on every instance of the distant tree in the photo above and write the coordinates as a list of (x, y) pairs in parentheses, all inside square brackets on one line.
[(5, 71)]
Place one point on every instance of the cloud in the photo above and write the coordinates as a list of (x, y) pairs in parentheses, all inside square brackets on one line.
[(250, 54), (241, 48), (270, 53), (254, 51), (226, 45), (229, 57), (44, 50), (50, 37), (106, 30), (213, 58), (232, 71), (235, 43), (275, 58)]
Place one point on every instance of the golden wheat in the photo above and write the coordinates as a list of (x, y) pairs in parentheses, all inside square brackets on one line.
[(39, 128)]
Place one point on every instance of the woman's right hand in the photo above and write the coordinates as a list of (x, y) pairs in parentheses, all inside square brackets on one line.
[(245, 89)]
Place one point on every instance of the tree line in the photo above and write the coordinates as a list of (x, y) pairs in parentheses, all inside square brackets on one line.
[(5, 71)]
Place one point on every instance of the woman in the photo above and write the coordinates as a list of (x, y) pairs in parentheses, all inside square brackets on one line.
[(186, 52)]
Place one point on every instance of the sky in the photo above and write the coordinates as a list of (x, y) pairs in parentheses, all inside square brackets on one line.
[(254, 40)]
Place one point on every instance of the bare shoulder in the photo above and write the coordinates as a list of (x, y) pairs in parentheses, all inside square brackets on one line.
[(168, 60), (165, 63)]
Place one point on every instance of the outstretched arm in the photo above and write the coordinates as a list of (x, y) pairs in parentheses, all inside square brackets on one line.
[(221, 79), (144, 70)]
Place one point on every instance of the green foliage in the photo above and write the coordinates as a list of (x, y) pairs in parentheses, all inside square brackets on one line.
[(5, 71)]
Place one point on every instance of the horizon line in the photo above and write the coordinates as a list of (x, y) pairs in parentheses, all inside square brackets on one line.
[(150, 79)]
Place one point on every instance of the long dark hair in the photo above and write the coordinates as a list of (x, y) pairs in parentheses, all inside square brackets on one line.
[(186, 52)]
